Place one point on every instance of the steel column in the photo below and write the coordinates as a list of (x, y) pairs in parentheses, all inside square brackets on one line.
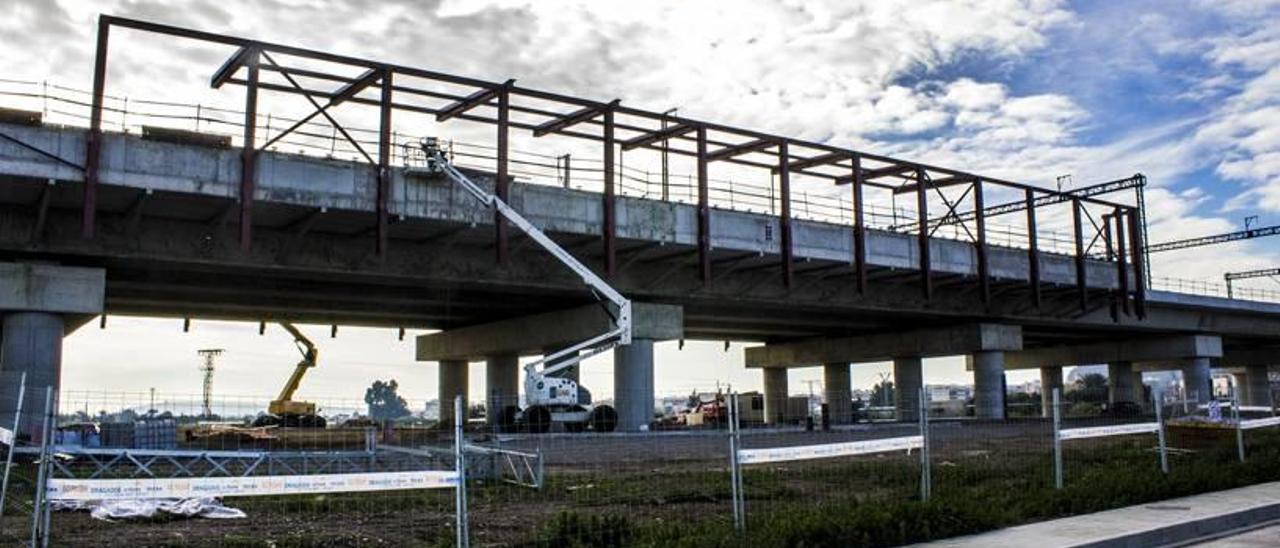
[(784, 187), (1033, 250), (502, 186), (1082, 283), (1111, 256), (384, 162), (1139, 277), (704, 210), (922, 212), (1122, 268), (859, 228), (610, 213), (984, 267), (93, 142), (248, 154)]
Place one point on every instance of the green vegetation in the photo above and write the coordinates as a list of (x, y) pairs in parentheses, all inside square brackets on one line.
[(969, 497)]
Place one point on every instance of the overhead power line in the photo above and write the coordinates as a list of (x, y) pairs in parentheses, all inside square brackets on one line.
[(1215, 239)]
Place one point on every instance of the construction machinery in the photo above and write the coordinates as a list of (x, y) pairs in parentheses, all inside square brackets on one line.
[(284, 411), (549, 399)]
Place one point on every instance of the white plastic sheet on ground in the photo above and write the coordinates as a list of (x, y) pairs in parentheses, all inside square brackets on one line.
[(112, 510)]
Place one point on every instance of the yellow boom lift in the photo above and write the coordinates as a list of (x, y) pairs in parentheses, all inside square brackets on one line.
[(283, 411)]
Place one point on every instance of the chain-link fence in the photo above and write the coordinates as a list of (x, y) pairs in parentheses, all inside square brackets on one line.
[(133, 469)]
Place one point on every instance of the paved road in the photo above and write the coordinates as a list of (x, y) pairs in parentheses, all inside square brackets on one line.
[(1268, 537)]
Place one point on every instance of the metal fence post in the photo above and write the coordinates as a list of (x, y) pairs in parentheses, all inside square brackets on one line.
[(38, 535), (735, 469), (1235, 411), (460, 464), (1057, 438), (17, 423), (926, 477), (1164, 453)]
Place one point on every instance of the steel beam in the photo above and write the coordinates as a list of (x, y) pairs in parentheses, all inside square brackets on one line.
[(1122, 266), (577, 117), (859, 228), (744, 148), (922, 239), (1033, 249), (248, 154), (1082, 282), (474, 100), (384, 152), (936, 183), (784, 187), (984, 269), (230, 66), (704, 211), (1139, 278), (656, 136), (93, 142), (819, 160), (502, 184), (610, 201)]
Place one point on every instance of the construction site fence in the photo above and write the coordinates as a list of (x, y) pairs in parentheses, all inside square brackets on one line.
[(713, 465)]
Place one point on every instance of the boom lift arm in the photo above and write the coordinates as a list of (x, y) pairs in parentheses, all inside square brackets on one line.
[(620, 334), (309, 356)]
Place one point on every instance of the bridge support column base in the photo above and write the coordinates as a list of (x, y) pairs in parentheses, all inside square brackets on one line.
[(1050, 379), (988, 384), (1120, 383), (633, 385), (1197, 380), (838, 388), (32, 344), (908, 379), (775, 395), (1257, 386), (454, 381), (502, 386)]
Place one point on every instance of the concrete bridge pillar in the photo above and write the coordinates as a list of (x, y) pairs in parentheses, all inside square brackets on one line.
[(502, 386), (1050, 380), (40, 304), (775, 395), (838, 390), (32, 344), (454, 376), (908, 379), (1120, 382), (988, 384), (1197, 381), (1258, 385), (1238, 384), (633, 385)]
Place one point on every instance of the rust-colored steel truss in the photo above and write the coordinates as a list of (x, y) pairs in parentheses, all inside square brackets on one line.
[(546, 113)]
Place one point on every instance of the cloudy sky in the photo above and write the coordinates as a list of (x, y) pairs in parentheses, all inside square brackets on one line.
[(1185, 91)]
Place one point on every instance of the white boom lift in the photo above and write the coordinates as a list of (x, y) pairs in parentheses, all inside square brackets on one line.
[(551, 399)]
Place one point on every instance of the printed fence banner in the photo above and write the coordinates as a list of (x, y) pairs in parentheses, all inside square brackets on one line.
[(6, 436), (1260, 423), (1104, 431), (806, 452), (128, 489)]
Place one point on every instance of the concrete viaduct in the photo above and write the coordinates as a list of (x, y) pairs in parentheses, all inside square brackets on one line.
[(187, 225), (166, 247)]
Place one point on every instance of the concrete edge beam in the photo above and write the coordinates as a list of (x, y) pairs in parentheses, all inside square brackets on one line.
[(1145, 353), (531, 334), (924, 343), (34, 287)]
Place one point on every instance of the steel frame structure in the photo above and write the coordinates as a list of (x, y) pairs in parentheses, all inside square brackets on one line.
[(1231, 277), (664, 132)]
